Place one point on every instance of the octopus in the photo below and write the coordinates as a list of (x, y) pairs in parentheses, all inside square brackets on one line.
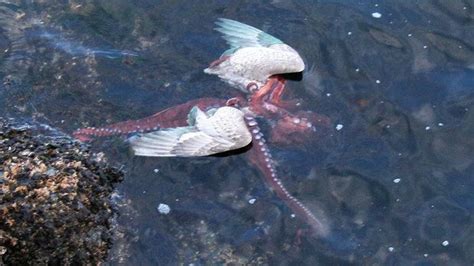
[(257, 65)]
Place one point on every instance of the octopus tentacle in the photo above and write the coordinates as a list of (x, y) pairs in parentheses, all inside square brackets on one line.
[(252, 87), (236, 102), (258, 102), (267, 100), (260, 156), (175, 116), (276, 95), (277, 92), (299, 128), (266, 89)]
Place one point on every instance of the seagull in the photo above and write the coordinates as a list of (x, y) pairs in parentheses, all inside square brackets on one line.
[(215, 131), (253, 57)]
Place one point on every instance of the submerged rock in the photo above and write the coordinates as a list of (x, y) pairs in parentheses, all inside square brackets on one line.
[(55, 205)]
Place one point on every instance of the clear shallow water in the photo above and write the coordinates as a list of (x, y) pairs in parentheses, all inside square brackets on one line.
[(393, 184)]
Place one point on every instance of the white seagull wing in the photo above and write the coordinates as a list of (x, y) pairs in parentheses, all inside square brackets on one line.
[(239, 35), (171, 143), (207, 137)]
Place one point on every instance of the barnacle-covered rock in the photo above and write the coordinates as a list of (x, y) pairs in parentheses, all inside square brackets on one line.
[(55, 205)]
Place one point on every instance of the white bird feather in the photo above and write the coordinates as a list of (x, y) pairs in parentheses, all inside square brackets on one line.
[(218, 130)]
